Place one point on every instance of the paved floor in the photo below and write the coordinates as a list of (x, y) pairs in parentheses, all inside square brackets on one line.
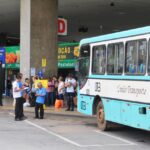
[(65, 131)]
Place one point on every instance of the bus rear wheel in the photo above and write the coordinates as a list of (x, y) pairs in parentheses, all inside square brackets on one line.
[(103, 125)]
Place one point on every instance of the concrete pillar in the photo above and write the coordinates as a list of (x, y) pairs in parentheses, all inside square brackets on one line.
[(38, 36)]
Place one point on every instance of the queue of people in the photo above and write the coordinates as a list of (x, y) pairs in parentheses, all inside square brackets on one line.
[(56, 89)]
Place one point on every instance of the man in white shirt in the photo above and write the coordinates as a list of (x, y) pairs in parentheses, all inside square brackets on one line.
[(17, 94), (70, 84)]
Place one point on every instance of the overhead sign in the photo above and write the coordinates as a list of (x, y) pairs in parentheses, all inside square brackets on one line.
[(68, 52), (62, 26), (69, 63), (67, 55)]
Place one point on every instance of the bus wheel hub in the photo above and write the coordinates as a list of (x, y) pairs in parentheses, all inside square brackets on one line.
[(101, 115)]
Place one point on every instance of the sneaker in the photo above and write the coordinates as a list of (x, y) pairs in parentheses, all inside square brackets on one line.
[(17, 119), (21, 119), (24, 117), (26, 104), (36, 117)]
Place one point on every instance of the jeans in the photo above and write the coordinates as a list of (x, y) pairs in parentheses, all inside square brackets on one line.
[(70, 102), (37, 107), (50, 97), (8, 92), (1, 102), (19, 108)]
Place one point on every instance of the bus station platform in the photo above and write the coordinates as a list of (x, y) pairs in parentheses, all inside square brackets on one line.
[(8, 105)]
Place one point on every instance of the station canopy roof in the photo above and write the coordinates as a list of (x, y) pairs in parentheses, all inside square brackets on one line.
[(86, 18)]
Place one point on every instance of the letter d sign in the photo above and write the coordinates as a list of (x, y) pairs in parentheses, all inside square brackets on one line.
[(62, 26)]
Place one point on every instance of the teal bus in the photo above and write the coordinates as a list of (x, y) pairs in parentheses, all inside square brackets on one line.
[(114, 78)]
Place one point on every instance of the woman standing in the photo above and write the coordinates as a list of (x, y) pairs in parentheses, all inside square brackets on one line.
[(61, 89), (55, 81), (27, 91), (50, 92)]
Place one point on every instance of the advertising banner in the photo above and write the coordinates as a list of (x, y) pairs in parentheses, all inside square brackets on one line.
[(13, 57), (44, 83), (2, 56), (67, 55)]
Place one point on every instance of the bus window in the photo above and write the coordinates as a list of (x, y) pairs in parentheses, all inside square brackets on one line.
[(84, 63), (115, 58), (99, 60), (136, 57), (142, 52), (131, 57), (149, 58)]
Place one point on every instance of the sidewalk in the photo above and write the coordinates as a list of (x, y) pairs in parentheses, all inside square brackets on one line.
[(8, 105)]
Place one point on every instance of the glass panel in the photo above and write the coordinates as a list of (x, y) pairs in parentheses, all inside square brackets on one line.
[(149, 57), (115, 58), (99, 59), (85, 51), (131, 57), (83, 65), (142, 52), (120, 58)]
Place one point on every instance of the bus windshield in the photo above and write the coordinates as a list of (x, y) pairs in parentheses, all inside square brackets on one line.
[(83, 63)]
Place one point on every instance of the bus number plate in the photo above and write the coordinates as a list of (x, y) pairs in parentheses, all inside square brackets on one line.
[(83, 105), (97, 86)]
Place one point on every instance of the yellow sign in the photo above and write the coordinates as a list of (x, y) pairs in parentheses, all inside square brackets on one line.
[(44, 83), (76, 51), (43, 62)]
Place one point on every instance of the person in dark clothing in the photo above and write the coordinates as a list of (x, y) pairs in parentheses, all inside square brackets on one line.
[(8, 88), (1, 103), (40, 99), (1, 84)]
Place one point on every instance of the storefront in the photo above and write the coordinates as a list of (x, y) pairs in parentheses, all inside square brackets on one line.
[(67, 58)]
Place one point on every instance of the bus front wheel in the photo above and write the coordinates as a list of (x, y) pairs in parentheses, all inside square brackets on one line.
[(103, 125)]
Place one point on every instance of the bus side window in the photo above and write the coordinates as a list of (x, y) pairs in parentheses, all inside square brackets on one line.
[(115, 58), (149, 57), (142, 47), (99, 59), (131, 57), (136, 52)]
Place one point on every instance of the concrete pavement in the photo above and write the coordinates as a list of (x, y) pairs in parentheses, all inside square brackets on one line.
[(65, 131)]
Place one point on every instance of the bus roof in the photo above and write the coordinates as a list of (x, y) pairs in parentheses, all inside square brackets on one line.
[(122, 34)]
